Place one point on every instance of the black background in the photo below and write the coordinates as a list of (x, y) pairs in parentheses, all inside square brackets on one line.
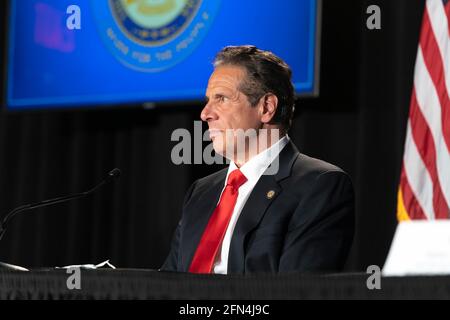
[(357, 123)]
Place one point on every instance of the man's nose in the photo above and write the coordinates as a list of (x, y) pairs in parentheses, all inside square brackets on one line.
[(208, 113)]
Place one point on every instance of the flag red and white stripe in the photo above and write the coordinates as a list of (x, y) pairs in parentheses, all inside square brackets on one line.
[(424, 190)]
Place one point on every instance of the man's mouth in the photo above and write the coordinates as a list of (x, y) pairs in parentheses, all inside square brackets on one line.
[(214, 133)]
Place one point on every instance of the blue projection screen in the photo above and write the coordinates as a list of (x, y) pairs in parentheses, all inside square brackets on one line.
[(73, 53)]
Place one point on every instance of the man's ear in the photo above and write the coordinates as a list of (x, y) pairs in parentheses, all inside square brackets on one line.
[(269, 107)]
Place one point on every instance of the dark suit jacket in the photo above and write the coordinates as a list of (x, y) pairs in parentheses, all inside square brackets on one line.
[(307, 225)]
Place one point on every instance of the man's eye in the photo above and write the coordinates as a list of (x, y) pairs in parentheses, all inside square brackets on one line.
[(221, 98)]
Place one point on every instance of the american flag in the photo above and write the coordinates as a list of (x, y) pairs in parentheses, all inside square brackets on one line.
[(424, 190)]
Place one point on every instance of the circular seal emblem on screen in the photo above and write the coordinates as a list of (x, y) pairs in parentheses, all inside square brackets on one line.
[(152, 35)]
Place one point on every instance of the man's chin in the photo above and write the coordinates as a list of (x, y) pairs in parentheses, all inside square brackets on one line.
[(218, 146)]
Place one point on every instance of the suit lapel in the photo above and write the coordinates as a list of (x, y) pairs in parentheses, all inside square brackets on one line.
[(266, 190), (198, 218)]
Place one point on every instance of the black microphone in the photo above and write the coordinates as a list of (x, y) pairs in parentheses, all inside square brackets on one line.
[(113, 174)]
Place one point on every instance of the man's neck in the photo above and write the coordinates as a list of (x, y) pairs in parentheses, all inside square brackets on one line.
[(263, 143)]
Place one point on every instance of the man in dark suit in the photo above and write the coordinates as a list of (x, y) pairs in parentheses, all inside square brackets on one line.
[(273, 209)]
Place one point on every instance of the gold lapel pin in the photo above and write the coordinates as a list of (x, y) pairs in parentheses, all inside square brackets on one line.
[(270, 194)]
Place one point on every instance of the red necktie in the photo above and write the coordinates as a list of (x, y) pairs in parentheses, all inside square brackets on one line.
[(217, 225)]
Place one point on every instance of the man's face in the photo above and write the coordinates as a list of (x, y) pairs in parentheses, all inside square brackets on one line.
[(228, 108)]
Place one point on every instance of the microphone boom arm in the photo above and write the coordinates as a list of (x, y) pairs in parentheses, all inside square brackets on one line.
[(115, 173)]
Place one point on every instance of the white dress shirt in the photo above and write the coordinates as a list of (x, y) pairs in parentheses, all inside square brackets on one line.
[(252, 170)]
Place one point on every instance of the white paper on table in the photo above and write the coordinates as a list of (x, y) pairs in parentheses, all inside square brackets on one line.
[(89, 266), (419, 248)]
